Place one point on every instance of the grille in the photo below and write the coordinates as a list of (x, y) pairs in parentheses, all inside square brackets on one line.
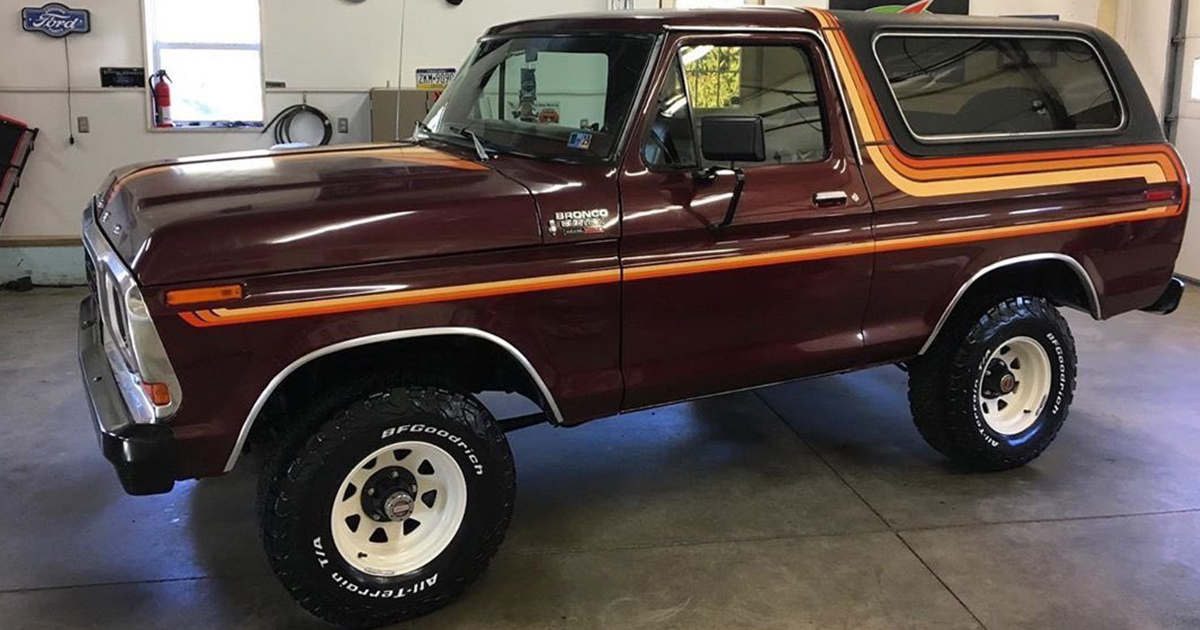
[(89, 268)]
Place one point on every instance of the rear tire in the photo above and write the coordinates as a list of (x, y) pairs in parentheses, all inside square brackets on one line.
[(994, 390), (390, 508)]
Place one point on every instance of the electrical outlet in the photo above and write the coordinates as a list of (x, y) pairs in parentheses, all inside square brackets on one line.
[(84, 125), (343, 125)]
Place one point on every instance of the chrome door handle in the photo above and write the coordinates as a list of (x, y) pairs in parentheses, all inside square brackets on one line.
[(829, 199)]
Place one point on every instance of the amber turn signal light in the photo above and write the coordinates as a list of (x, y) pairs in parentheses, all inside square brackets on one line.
[(158, 393), (205, 294)]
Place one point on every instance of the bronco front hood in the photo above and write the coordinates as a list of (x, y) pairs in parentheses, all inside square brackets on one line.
[(273, 211)]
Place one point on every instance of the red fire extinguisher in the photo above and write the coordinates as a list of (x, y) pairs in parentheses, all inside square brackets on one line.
[(160, 92)]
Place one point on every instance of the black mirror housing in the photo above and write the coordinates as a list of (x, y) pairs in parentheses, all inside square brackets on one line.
[(733, 139)]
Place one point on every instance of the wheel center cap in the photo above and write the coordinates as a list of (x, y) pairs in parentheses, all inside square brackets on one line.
[(1007, 384), (389, 495), (399, 506)]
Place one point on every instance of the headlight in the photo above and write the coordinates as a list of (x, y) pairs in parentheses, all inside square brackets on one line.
[(145, 377)]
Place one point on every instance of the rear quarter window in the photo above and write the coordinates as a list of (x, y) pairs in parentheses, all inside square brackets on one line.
[(982, 86)]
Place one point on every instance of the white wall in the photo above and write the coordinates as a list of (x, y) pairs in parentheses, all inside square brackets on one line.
[(336, 50), (1188, 142), (333, 49)]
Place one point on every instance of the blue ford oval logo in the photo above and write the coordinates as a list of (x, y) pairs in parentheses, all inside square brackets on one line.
[(56, 20)]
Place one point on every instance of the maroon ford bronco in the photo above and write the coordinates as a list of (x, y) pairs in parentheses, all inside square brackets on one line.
[(612, 212)]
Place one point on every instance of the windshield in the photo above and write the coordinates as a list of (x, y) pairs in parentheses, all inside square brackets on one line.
[(564, 97)]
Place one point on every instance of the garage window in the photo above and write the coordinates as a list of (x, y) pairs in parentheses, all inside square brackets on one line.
[(983, 86), (1196, 79), (212, 52)]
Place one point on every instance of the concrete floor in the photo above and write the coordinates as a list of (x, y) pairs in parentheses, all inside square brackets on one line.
[(811, 505)]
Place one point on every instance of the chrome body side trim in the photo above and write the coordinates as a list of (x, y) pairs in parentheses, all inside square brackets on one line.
[(556, 415), (1001, 33), (1084, 277)]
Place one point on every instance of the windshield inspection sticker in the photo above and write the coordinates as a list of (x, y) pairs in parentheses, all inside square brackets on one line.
[(581, 140)]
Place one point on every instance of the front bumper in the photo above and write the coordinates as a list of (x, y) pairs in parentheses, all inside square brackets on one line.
[(144, 455)]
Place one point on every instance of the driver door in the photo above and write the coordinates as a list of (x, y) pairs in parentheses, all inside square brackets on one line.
[(781, 292)]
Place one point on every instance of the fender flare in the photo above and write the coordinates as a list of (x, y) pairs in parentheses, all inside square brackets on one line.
[(357, 342), (1084, 277)]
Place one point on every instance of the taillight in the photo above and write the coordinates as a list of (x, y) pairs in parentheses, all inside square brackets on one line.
[(1158, 195)]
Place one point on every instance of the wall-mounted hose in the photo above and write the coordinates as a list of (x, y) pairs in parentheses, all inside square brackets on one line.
[(284, 119)]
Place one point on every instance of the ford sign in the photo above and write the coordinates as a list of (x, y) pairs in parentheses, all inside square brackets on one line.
[(56, 20)]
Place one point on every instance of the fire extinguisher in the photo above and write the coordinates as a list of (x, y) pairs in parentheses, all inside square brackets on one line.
[(160, 92)]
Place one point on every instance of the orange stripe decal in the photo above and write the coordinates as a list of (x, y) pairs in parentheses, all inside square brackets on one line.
[(227, 316)]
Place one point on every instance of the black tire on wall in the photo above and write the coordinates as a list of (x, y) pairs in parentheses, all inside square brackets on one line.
[(339, 506), (995, 388)]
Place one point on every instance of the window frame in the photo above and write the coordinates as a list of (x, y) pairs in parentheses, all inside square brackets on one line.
[(151, 51), (702, 37), (637, 108), (1118, 95), (675, 64)]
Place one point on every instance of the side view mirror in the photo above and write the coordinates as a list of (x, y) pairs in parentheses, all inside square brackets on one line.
[(733, 139)]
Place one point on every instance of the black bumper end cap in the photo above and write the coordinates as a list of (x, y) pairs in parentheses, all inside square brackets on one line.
[(1170, 299), (144, 457)]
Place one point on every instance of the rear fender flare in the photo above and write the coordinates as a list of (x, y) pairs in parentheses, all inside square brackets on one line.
[(1084, 277)]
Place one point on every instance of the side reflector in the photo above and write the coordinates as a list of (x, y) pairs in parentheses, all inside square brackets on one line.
[(157, 393), (1160, 194), (205, 294)]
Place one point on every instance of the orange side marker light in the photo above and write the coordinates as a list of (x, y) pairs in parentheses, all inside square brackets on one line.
[(158, 393), (205, 294)]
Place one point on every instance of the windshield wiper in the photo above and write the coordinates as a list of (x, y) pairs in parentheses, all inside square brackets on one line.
[(421, 126), (480, 149)]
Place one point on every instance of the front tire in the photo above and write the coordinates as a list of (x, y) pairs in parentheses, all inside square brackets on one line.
[(391, 508), (994, 390)]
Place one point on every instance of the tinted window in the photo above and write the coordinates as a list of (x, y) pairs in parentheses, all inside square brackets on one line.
[(998, 85), (775, 82)]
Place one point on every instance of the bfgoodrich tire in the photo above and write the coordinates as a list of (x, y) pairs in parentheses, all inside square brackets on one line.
[(995, 388), (391, 508)]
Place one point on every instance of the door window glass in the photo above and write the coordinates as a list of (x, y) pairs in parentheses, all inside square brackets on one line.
[(774, 82)]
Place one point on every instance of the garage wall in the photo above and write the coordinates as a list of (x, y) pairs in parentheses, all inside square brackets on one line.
[(1188, 139), (333, 52)]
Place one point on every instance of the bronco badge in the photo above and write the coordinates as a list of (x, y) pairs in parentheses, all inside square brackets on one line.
[(578, 222)]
